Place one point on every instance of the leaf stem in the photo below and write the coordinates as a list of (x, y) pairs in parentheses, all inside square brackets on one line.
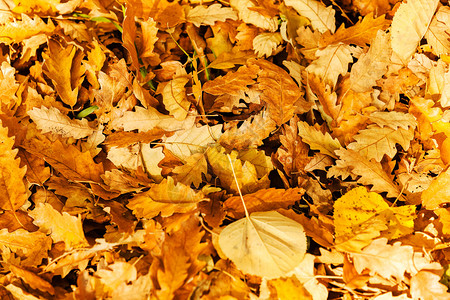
[(239, 189)]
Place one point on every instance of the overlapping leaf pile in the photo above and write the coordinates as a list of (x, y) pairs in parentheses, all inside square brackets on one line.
[(129, 129)]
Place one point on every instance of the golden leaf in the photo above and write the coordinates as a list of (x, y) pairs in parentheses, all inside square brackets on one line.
[(61, 227), (63, 66), (411, 21), (265, 244), (52, 120), (321, 17), (174, 97), (201, 15)]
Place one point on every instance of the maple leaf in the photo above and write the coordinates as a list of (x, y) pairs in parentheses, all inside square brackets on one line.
[(371, 172), (63, 66), (67, 159), (331, 62), (201, 15), (265, 244), (321, 17), (411, 21), (61, 227), (165, 198), (52, 120)]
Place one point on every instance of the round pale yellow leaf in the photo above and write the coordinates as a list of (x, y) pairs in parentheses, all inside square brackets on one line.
[(267, 244)]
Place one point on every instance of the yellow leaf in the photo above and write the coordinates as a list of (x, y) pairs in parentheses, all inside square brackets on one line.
[(371, 65), (145, 119), (371, 172), (321, 17), (184, 143), (266, 244), (279, 91), (266, 43), (165, 198), (245, 171), (331, 62), (14, 192), (288, 289), (246, 14), (375, 142), (437, 34), (318, 140), (16, 32), (52, 120), (31, 246), (358, 206), (361, 34), (8, 86), (191, 172), (201, 15), (61, 227), (63, 66), (232, 83), (438, 192), (411, 21), (174, 97)]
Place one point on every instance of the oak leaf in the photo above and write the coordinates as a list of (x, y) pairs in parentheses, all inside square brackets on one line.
[(437, 34), (265, 244), (184, 143), (360, 34), (318, 140), (145, 119), (370, 172), (411, 21), (61, 227), (388, 261), (232, 83), (331, 62), (201, 15), (18, 31), (52, 120), (12, 175), (228, 60), (249, 134), (427, 285), (8, 86), (279, 91), (32, 247), (321, 17), (174, 97), (393, 119), (263, 200), (371, 65), (375, 142), (266, 43), (248, 15), (165, 198), (32, 279), (63, 66)]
